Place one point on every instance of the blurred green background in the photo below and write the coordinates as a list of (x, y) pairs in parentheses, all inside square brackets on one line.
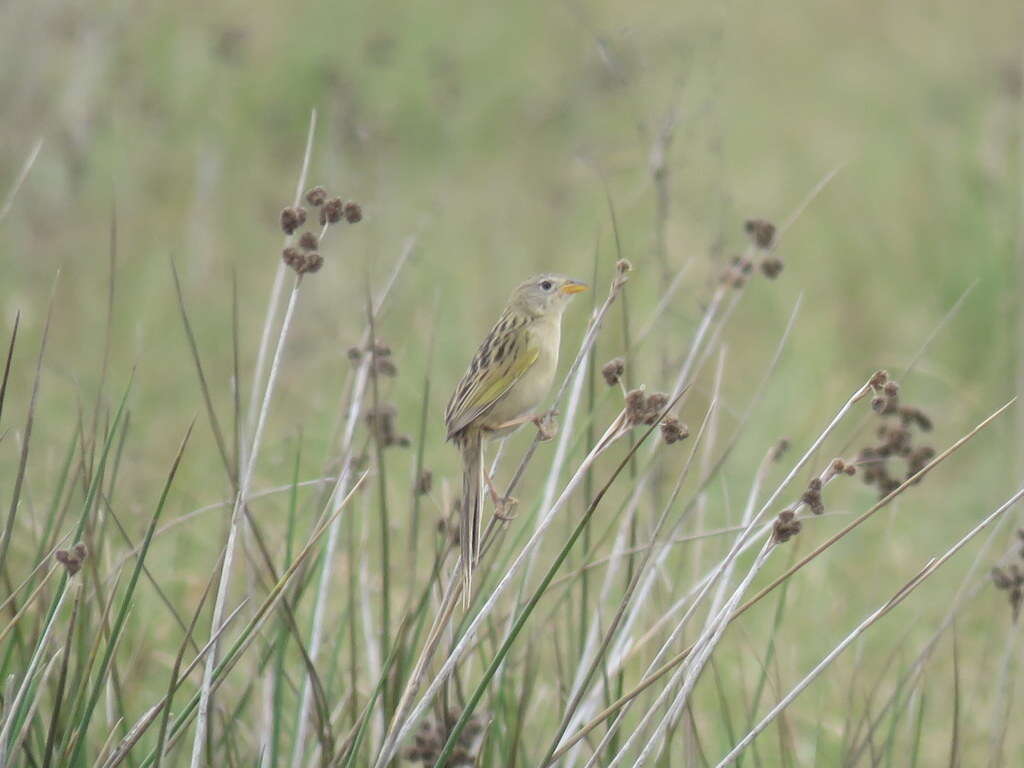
[(485, 131)]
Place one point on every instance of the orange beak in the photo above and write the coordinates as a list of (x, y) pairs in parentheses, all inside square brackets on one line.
[(573, 286)]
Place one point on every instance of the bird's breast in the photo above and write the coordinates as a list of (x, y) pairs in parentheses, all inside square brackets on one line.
[(533, 386)]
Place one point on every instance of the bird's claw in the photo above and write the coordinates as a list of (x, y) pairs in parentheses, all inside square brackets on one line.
[(503, 508), (546, 425)]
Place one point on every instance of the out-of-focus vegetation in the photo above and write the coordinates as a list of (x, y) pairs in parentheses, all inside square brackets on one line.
[(501, 141)]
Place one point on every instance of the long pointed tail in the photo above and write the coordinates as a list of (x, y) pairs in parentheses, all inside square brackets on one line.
[(469, 527)]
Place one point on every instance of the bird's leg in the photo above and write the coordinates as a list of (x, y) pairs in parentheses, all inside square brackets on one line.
[(545, 423), (503, 505)]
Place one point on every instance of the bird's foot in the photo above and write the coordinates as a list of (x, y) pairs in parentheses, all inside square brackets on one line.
[(546, 425), (503, 508)]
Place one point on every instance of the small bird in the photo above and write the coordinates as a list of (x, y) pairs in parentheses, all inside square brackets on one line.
[(508, 378)]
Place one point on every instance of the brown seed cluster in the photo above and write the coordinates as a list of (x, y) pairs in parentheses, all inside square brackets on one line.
[(334, 210), (383, 363), (316, 196), (812, 496), (433, 735), (72, 559), (736, 274), (897, 432), (786, 526), (305, 259), (762, 233), (672, 431), (292, 218), (303, 262), (771, 267), (642, 408), (1010, 579), (613, 371), (761, 250), (382, 423)]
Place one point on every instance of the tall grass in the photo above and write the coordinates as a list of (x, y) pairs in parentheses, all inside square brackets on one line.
[(600, 607)]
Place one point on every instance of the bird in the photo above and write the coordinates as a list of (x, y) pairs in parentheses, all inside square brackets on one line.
[(508, 378)]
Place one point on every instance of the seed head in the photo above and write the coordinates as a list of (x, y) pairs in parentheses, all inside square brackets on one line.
[(613, 370), (812, 497), (382, 423), (635, 403), (786, 526), (910, 415), (302, 263), (1000, 578), (332, 211), (313, 262), (72, 559), (878, 380), (309, 241), (918, 460), (352, 212), (761, 232), (771, 267), (316, 196), (672, 431), (292, 218)]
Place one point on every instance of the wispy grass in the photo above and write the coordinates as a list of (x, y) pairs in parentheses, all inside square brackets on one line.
[(604, 625)]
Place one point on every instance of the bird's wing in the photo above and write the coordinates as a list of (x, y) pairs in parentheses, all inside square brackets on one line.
[(501, 361)]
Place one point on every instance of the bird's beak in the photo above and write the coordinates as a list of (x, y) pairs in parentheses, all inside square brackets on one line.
[(573, 286)]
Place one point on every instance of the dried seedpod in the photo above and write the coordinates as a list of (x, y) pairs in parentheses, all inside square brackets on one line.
[(672, 431), (292, 218), (72, 559), (352, 212), (1010, 580), (302, 262), (786, 526), (332, 211), (878, 380), (613, 370), (771, 267), (316, 196), (761, 232), (812, 497)]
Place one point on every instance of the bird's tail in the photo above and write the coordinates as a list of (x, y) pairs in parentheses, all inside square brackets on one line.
[(469, 526)]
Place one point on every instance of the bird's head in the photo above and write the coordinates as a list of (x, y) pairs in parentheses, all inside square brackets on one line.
[(545, 294)]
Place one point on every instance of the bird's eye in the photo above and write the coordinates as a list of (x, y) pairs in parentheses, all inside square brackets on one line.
[(546, 285)]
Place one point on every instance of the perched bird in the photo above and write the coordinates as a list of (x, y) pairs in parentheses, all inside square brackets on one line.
[(508, 378)]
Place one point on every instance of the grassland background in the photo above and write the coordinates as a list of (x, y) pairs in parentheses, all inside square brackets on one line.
[(479, 129)]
